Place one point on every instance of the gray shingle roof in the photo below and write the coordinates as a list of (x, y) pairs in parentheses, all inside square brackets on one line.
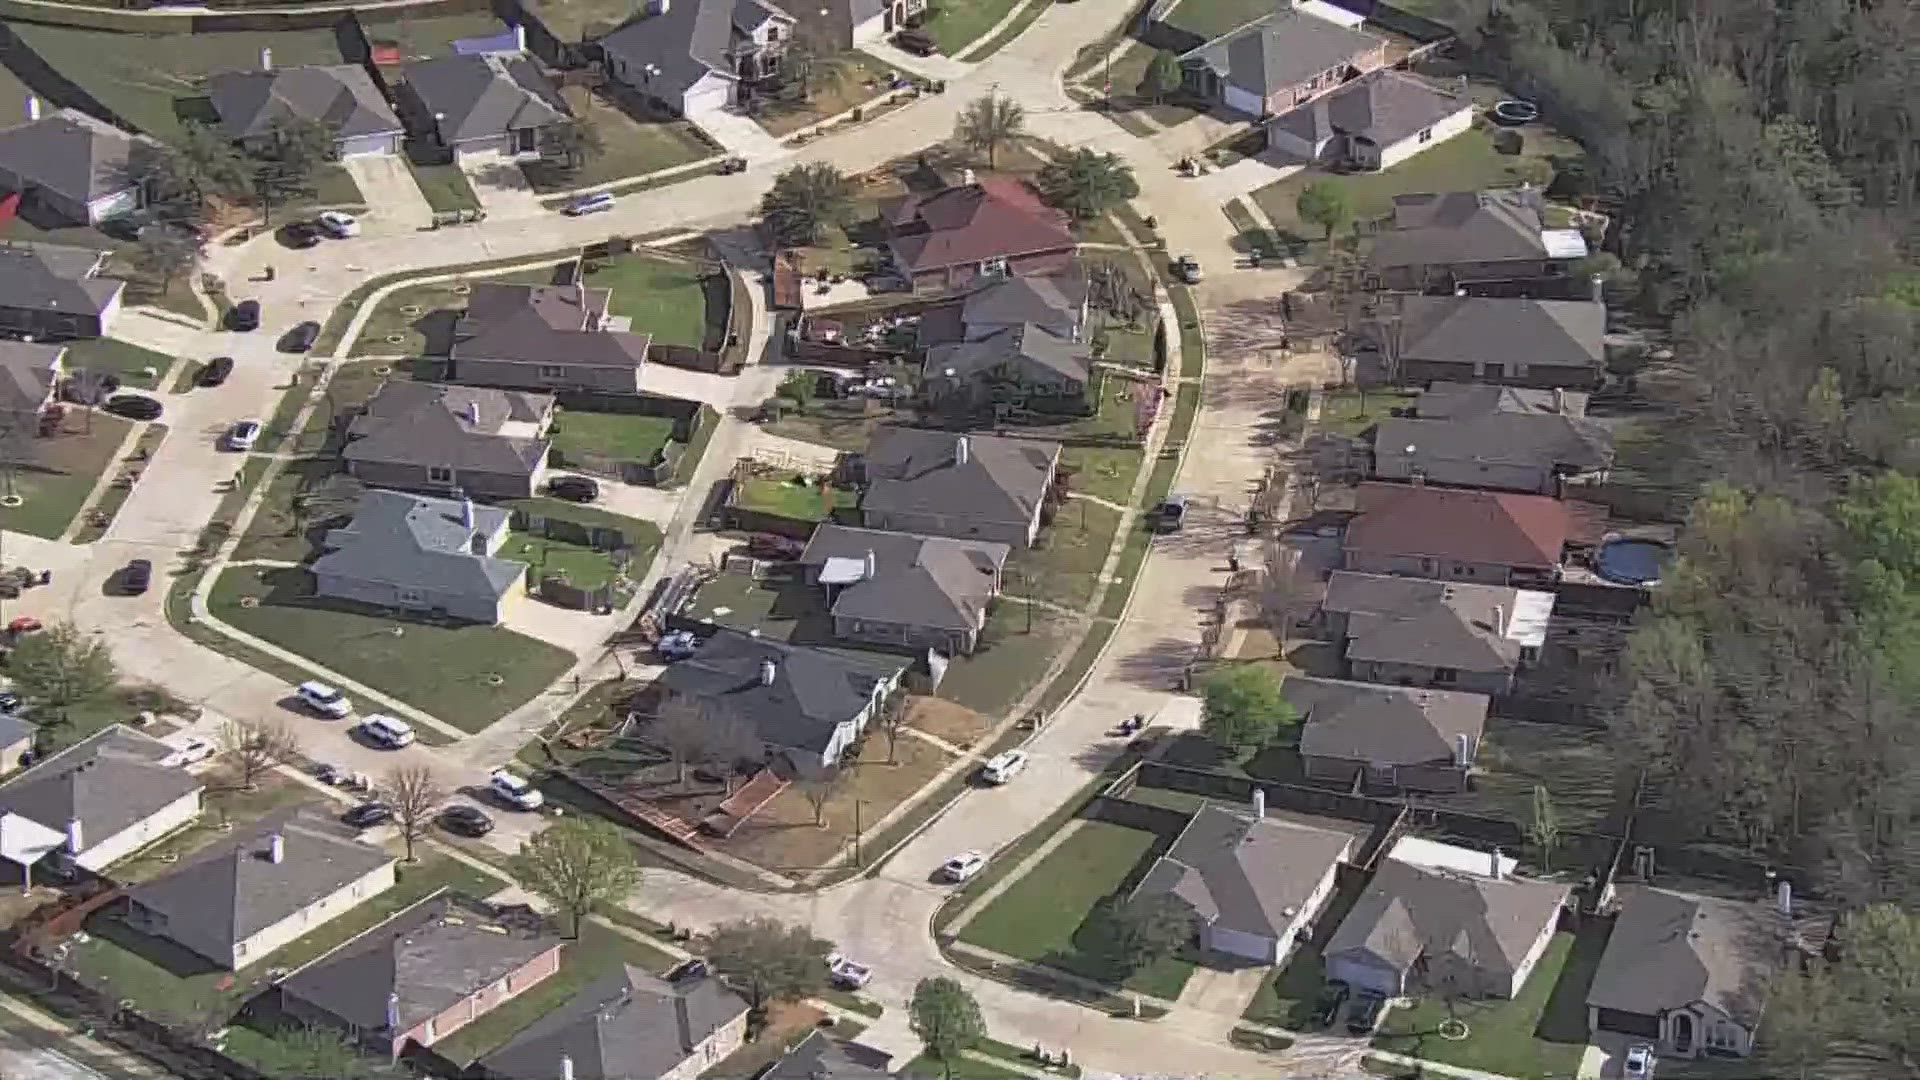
[(431, 957), (108, 782), (1245, 874), (229, 891), (1410, 911), (484, 96), (1383, 725), (1669, 950), (1052, 301), (1467, 401), (1383, 107), (690, 39), (812, 693), (342, 96), (1036, 355), (28, 372), (1473, 329), (418, 423), (13, 729), (1437, 623), (628, 1025), (51, 277), (1462, 227), (917, 580), (821, 1057), (416, 541), (1000, 480), (73, 155), (543, 324), (1461, 451), (1279, 50)]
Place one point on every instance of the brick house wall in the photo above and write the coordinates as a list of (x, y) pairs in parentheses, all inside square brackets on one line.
[(481, 1001)]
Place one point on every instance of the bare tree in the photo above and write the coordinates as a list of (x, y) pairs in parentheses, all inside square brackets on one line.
[(1284, 590), (415, 794), (258, 746), (893, 722), (685, 729), (819, 789)]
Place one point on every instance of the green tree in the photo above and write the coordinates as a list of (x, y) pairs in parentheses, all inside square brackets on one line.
[(289, 159), (1139, 932), (1162, 76), (570, 146), (162, 254), (62, 668), (1806, 1014), (1543, 829), (988, 123), (576, 864), (1244, 710), (186, 173), (769, 959), (804, 201), (1325, 203), (947, 1019), (1087, 184)]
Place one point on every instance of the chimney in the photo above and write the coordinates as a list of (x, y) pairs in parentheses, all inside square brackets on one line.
[(74, 842), (1499, 620), (33, 107), (566, 1060), (580, 297), (276, 849), (960, 450), (266, 59), (871, 561), (520, 38), (768, 669), (660, 7), (473, 414), (1560, 401), (393, 1011), (466, 510), (1463, 750), (1597, 288), (967, 179), (1784, 899), (1497, 874), (1259, 803)]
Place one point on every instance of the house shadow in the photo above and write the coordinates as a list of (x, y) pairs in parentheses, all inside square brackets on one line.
[(1564, 1019), (195, 110), (174, 959), (437, 328)]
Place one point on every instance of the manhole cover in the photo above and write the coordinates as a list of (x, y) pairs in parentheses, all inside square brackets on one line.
[(11, 501), (1453, 1030)]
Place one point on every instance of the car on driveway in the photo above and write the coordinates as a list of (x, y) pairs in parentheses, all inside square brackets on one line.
[(515, 790), (917, 42), (962, 866), (368, 814), (338, 224), (300, 234), (244, 316), (847, 974), (1639, 1062), (137, 577), (216, 371), (300, 338), (463, 820), (589, 204), (580, 489), (191, 752), (242, 435), (323, 699), (134, 406)]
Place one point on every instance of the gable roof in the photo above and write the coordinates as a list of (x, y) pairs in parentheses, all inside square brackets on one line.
[(821, 1057), (485, 95), (1669, 950), (1384, 725), (1467, 401), (74, 155), (1474, 329), (1382, 107), (689, 40), (1023, 345), (1443, 228), (907, 578), (1411, 911), (421, 962), (108, 782), (543, 324), (464, 427), (1462, 451), (1251, 875), (1437, 623), (28, 371), (812, 693), (341, 96), (995, 217), (420, 542), (1279, 50), (1500, 527), (1051, 300), (229, 891), (54, 277), (979, 476), (627, 1025)]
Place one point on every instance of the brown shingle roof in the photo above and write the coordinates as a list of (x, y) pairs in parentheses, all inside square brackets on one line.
[(992, 219), (1502, 528)]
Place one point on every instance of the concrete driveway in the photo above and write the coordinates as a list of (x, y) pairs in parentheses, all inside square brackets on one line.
[(393, 198)]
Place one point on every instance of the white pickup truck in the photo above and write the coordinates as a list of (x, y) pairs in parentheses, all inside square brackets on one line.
[(848, 975)]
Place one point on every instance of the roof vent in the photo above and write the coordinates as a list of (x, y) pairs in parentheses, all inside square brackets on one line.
[(768, 671)]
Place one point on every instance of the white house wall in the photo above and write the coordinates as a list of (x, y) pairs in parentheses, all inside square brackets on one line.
[(1256, 947), (1245, 101), (1534, 953), (364, 145), (870, 29), (176, 815), (1446, 129), (312, 916)]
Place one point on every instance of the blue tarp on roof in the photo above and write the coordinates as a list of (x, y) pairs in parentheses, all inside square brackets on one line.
[(507, 41)]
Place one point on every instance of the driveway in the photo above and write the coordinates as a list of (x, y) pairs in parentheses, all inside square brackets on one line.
[(394, 202), (740, 135), (503, 189)]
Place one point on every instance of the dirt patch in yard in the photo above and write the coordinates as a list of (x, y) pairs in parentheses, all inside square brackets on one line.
[(948, 721), (784, 837)]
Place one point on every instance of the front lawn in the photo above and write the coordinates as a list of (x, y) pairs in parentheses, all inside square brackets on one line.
[(663, 297), (467, 675), (1011, 659), (444, 185), (619, 436), (128, 363), (955, 25), (1065, 569), (1043, 916), (840, 82), (636, 142), (63, 471)]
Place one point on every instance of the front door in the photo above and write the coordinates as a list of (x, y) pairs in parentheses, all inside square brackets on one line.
[(1682, 1033)]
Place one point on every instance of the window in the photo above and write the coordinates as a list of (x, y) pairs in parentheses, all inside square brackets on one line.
[(439, 474), (1428, 566), (552, 371), (1426, 135), (1445, 676), (1461, 569), (240, 948), (525, 140), (412, 596)]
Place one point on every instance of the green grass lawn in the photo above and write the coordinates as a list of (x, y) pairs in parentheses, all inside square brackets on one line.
[(1350, 411), (955, 25), (1011, 660), (1108, 472), (1539, 1035), (64, 470), (1041, 916), (582, 567), (1011, 31), (103, 355), (432, 35), (1211, 18), (663, 297), (842, 82), (636, 143), (224, 802), (445, 186), (447, 671), (621, 436), (780, 495), (1066, 569)]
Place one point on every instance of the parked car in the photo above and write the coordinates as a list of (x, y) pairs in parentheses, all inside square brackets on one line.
[(917, 42), (244, 316), (300, 234), (191, 752), (338, 224), (9, 703), (137, 577), (1363, 1012), (580, 489), (134, 406), (387, 732), (1003, 766), (1639, 1062), (588, 204), (216, 371), (300, 338), (1326, 1008), (962, 866), (846, 974), (775, 546), (243, 434), (368, 814), (464, 820), (694, 968), (1171, 514), (323, 699), (515, 790), (1187, 269), (331, 775), (677, 645)]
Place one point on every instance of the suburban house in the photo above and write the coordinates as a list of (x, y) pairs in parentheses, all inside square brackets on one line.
[(991, 227), (1445, 929), (1374, 122), (1254, 883), (342, 96), (805, 705), (1278, 61), (16, 738), (823, 1057), (1488, 537), (102, 799), (699, 56), (433, 437), (30, 377), (1544, 344), (1388, 738), (1541, 454), (545, 337), (892, 588), (1687, 973), (51, 291), (627, 1025), (969, 487), (1441, 242), (70, 169), (1056, 303), (236, 901), (482, 107), (1420, 632), (1020, 367), (423, 974), (1472, 401), (844, 24), (422, 554)]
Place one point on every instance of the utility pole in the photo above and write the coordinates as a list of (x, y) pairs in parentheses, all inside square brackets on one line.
[(856, 834)]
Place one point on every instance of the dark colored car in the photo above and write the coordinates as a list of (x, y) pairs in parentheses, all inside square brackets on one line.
[(695, 968), (1363, 1013), (9, 701), (244, 316), (580, 489), (368, 814), (1170, 515), (137, 577), (134, 406), (216, 371), (917, 42), (300, 234), (1326, 1008), (774, 546), (464, 820), (300, 338)]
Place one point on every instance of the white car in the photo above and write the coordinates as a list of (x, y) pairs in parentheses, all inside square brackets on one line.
[(191, 752), (847, 974), (243, 434), (588, 204), (387, 732), (1003, 766), (515, 791), (962, 866), (338, 223), (1639, 1063), (324, 700)]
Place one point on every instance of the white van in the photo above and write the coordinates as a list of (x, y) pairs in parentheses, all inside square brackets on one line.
[(515, 791), (1003, 766), (323, 699), (388, 732)]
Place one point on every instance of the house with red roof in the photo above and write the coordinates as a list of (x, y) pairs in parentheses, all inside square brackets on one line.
[(1488, 537), (990, 227)]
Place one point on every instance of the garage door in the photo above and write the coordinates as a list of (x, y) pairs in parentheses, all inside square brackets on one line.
[(367, 144), (1363, 976), (1626, 1023), (710, 93)]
